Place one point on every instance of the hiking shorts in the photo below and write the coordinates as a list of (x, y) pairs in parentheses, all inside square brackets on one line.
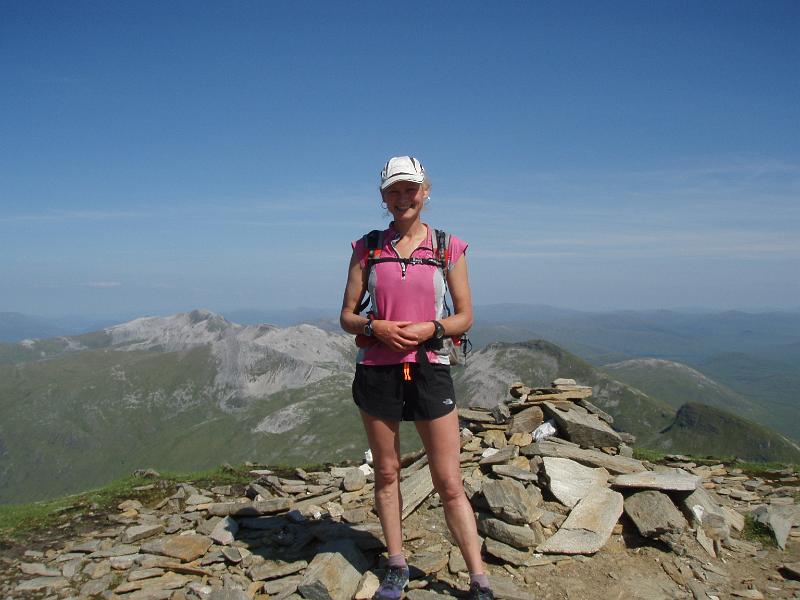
[(404, 392)]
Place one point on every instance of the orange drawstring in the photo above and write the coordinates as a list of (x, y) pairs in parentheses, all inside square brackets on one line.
[(406, 371)]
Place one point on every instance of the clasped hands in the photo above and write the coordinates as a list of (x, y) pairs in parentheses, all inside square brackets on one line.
[(402, 336)]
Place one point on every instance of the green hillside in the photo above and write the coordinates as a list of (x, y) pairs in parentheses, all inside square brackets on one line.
[(652, 420), (84, 418), (676, 384), (86, 413), (703, 430), (772, 385)]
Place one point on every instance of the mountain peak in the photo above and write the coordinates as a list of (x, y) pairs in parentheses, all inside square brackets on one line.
[(175, 332)]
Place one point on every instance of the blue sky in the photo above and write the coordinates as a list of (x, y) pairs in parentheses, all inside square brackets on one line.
[(163, 156)]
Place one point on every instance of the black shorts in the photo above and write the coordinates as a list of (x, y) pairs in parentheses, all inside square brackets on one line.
[(383, 391)]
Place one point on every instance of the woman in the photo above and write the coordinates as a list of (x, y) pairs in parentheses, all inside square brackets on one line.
[(401, 375)]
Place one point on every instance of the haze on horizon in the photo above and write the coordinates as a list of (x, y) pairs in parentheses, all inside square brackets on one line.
[(165, 157)]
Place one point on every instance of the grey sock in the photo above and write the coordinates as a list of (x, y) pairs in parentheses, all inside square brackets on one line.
[(397, 560), (480, 578)]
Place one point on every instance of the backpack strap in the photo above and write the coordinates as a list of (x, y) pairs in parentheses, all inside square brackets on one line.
[(441, 250), (373, 245)]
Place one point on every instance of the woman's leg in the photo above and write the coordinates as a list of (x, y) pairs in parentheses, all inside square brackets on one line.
[(384, 441), (442, 445)]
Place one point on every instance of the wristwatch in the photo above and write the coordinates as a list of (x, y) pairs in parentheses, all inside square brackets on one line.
[(368, 329), (438, 330)]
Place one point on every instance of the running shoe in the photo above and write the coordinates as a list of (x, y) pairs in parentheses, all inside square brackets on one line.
[(476, 592), (393, 584)]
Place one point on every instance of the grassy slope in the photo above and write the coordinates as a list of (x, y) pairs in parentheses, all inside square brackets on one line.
[(76, 421), (72, 423), (773, 385), (676, 384), (707, 431)]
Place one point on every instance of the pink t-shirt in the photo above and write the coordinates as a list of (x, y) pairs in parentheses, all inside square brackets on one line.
[(400, 292)]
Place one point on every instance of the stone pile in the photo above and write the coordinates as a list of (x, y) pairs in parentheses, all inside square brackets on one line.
[(539, 504)]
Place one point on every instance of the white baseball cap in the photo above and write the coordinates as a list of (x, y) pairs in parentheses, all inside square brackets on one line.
[(402, 168)]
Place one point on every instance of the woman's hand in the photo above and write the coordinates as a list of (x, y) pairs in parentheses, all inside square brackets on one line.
[(420, 331), (395, 334)]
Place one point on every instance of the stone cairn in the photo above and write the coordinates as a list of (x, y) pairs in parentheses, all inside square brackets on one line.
[(314, 535)]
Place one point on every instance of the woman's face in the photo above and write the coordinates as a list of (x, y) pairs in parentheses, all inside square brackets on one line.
[(405, 199)]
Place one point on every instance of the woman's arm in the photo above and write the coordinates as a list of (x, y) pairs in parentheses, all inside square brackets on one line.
[(391, 333), (458, 284), (350, 321)]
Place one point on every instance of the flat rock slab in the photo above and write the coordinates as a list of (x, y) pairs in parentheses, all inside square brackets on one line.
[(593, 458), (228, 593), (475, 415), (183, 547), (676, 480), (334, 572), (507, 553), (167, 581), (196, 499), (778, 519), (494, 438), (654, 514), (526, 420), (39, 569), (274, 569), (570, 481), (141, 532), (500, 456), (429, 563), (705, 511), (415, 488), (251, 509), (505, 589), (751, 594), (41, 583), (224, 531), (116, 550), (514, 472), (510, 501), (588, 526), (86, 546), (425, 595), (513, 535), (582, 428), (595, 410)]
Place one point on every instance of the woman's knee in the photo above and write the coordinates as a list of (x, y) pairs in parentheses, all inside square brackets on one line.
[(451, 489), (387, 473)]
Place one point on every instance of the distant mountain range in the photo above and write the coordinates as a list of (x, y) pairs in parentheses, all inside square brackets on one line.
[(192, 390), (15, 326)]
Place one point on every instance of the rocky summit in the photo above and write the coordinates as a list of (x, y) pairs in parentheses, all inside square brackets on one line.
[(563, 508)]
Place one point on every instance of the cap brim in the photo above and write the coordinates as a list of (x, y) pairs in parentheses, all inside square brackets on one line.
[(402, 177)]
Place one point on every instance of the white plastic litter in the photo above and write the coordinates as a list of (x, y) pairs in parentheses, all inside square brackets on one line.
[(368, 457), (545, 430), (698, 511)]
